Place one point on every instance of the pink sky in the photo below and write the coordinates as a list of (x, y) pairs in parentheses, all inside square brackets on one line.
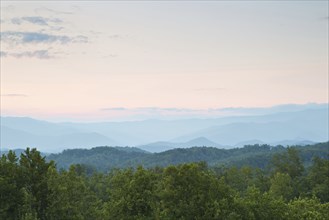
[(62, 60)]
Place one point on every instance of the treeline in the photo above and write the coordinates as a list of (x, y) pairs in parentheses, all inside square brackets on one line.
[(33, 188), (106, 158)]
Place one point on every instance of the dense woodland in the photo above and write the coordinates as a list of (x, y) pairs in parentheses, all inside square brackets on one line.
[(104, 159), (285, 187)]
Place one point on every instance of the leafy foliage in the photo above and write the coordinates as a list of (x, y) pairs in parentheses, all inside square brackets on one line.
[(32, 188)]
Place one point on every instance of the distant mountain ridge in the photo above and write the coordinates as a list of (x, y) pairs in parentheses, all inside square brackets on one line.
[(12, 138), (161, 146), (308, 124)]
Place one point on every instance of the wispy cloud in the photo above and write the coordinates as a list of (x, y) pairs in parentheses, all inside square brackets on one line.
[(40, 54), (37, 20), (35, 37), (14, 95), (42, 20), (36, 44)]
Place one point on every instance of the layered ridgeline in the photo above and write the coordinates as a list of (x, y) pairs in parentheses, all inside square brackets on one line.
[(287, 125), (105, 158)]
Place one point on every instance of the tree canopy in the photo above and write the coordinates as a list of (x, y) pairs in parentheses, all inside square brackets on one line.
[(31, 187)]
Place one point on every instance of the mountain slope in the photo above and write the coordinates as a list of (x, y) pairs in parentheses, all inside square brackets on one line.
[(101, 158), (106, 158)]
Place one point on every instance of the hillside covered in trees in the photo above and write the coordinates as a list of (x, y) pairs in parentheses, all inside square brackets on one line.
[(106, 158), (33, 188)]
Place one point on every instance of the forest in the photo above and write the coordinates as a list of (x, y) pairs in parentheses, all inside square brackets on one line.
[(32, 187), (104, 158)]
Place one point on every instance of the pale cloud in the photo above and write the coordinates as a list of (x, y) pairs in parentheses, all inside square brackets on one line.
[(36, 20), (32, 37), (41, 20), (39, 54), (35, 37), (35, 44)]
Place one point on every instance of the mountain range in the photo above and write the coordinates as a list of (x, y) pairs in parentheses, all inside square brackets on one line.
[(304, 124)]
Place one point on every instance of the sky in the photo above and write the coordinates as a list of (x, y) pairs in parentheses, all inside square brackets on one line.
[(111, 60)]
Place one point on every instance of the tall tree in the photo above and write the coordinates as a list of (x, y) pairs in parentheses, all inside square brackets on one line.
[(34, 171), (288, 162), (11, 183), (132, 194), (319, 178)]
